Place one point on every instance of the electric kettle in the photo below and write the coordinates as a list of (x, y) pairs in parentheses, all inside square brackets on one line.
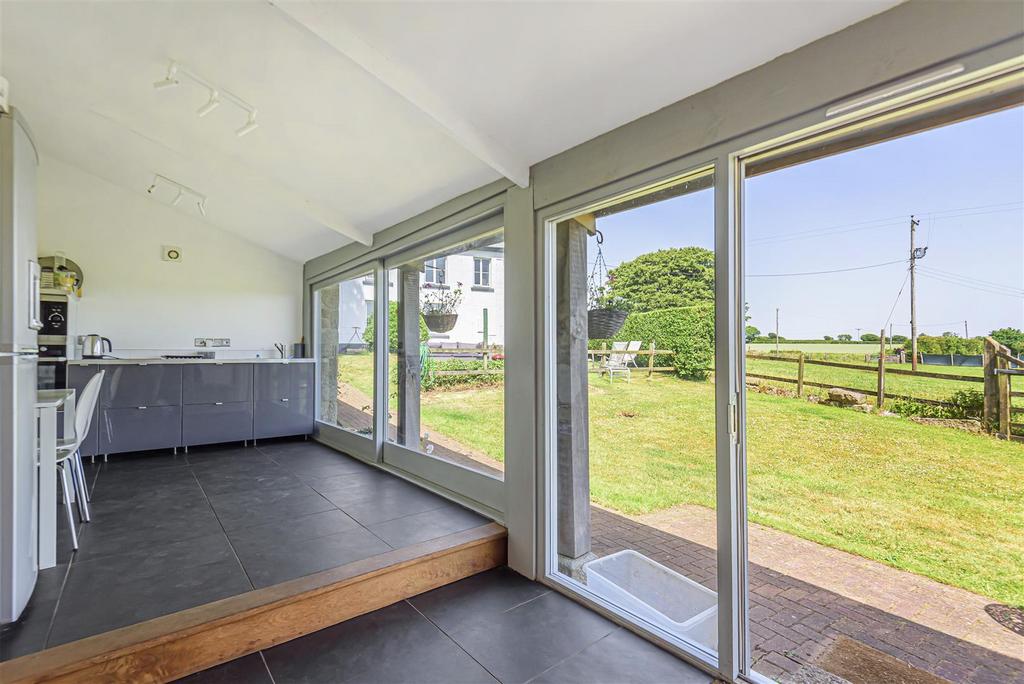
[(92, 346)]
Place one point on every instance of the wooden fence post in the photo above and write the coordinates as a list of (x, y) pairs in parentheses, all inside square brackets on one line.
[(650, 361), (991, 410), (1003, 384), (880, 400), (800, 376)]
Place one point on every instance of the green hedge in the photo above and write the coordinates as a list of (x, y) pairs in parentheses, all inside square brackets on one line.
[(432, 381), (392, 329), (927, 344), (689, 331)]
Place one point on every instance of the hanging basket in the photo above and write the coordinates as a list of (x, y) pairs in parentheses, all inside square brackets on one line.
[(440, 322), (602, 324)]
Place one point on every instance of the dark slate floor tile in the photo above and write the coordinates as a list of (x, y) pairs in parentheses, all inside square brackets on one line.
[(156, 562), (28, 634), (249, 508), (487, 593), (377, 504), (312, 461), (86, 609), (144, 460), (246, 670), (123, 530), (243, 477), (413, 529), (393, 644), (364, 476), (622, 658), (305, 527), (268, 564), (142, 484), (521, 643)]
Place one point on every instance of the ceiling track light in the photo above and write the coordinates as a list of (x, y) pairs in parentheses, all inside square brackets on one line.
[(213, 103), (182, 191), (218, 95)]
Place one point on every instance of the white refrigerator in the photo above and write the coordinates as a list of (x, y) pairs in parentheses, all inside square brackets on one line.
[(19, 323)]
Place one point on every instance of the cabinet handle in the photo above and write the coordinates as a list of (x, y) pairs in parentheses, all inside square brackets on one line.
[(218, 403), (142, 408), (284, 400)]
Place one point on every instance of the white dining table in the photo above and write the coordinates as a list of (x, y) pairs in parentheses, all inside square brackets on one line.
[(47, 403)]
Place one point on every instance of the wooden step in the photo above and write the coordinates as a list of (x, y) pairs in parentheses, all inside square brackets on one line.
[(176, 645)]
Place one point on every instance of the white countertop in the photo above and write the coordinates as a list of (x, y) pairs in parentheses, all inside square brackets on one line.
[(177, 362)]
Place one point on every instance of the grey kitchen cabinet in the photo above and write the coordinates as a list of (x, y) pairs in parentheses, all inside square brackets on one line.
[(141, 384), (78, 378), (139, 428), (215, 423), (283, 400), (212, 383)]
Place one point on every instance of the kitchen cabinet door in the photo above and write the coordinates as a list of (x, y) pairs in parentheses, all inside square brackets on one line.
[(302, 397), (78, 378), (214, 423), (284, 400), (209, 383), (272, 381), (139, 428), (143, 384)]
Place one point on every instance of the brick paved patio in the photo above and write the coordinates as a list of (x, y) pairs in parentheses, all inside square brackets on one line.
[(804, 595)]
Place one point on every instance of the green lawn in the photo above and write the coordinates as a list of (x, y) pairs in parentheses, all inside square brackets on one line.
[(936, 501)]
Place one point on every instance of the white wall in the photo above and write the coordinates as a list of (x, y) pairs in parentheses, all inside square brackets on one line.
[(223, 287)]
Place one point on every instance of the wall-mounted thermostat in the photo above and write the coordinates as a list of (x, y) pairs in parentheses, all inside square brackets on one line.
[(170, 253)]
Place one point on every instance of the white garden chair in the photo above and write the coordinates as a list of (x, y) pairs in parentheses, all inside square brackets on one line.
[(617, 362)]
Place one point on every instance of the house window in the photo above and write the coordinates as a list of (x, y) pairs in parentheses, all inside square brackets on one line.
[(433, 271), (481, 272)]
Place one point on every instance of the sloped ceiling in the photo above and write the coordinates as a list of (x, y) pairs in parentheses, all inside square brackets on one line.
[(369, 112)]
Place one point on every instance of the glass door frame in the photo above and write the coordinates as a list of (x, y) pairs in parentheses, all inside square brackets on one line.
[(729, 509)]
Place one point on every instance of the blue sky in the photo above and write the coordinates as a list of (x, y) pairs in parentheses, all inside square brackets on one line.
[(965, 182)]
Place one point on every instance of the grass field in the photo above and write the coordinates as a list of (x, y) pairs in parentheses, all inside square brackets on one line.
[(811, 347), (932, 500)]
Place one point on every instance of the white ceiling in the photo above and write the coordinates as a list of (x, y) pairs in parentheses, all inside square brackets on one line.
[(369, 112)]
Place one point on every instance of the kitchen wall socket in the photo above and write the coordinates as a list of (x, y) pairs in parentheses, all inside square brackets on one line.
[(212, 342)]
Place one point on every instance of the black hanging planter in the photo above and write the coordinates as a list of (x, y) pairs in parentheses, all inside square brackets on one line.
[(440, 322), (602, 324)]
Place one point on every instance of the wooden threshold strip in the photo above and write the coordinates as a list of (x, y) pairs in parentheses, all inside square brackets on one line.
[(176, 645)]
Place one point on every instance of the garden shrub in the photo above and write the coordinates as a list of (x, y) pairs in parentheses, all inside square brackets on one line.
[(392, 329), (689, 331), (947, 344), (432, 381), (967, 404)]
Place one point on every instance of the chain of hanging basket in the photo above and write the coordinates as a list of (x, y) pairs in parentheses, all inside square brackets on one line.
[(598, 273)]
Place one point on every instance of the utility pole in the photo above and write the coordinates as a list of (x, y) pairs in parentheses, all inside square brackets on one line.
[(776, 331), (915, 254), (966, 336)]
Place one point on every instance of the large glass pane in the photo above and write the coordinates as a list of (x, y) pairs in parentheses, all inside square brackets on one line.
[(446, 354), (346, 354), (885, 525), (636, 407)]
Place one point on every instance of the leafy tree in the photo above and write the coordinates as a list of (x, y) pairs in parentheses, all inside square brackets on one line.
[(899, 339), (751, 333), (1010, 337), (949, 334), (844, 337), (392, 328), (828, 338), (667, 278), (869, 337)]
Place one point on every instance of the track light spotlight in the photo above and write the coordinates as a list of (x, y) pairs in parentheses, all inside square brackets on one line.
[(171, 80), (249, 126), (151, 188), (211, 105), (202, 206)]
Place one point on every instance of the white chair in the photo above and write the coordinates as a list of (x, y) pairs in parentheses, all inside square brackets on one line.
[(616, 361), (630, 359), (69, 457)]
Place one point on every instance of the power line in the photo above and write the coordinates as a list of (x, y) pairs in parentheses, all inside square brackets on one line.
[(932, 276), (874, 224), (836, 270), (898, 295), (972, 279)]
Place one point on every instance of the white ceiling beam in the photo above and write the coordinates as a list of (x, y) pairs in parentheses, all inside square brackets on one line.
[(325, 21)]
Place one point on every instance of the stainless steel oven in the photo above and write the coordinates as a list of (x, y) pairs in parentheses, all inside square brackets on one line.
[(56, 346)]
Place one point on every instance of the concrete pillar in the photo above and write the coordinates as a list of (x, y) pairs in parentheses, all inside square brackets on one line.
[(573, 405), (328, 345), (409, 370)]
